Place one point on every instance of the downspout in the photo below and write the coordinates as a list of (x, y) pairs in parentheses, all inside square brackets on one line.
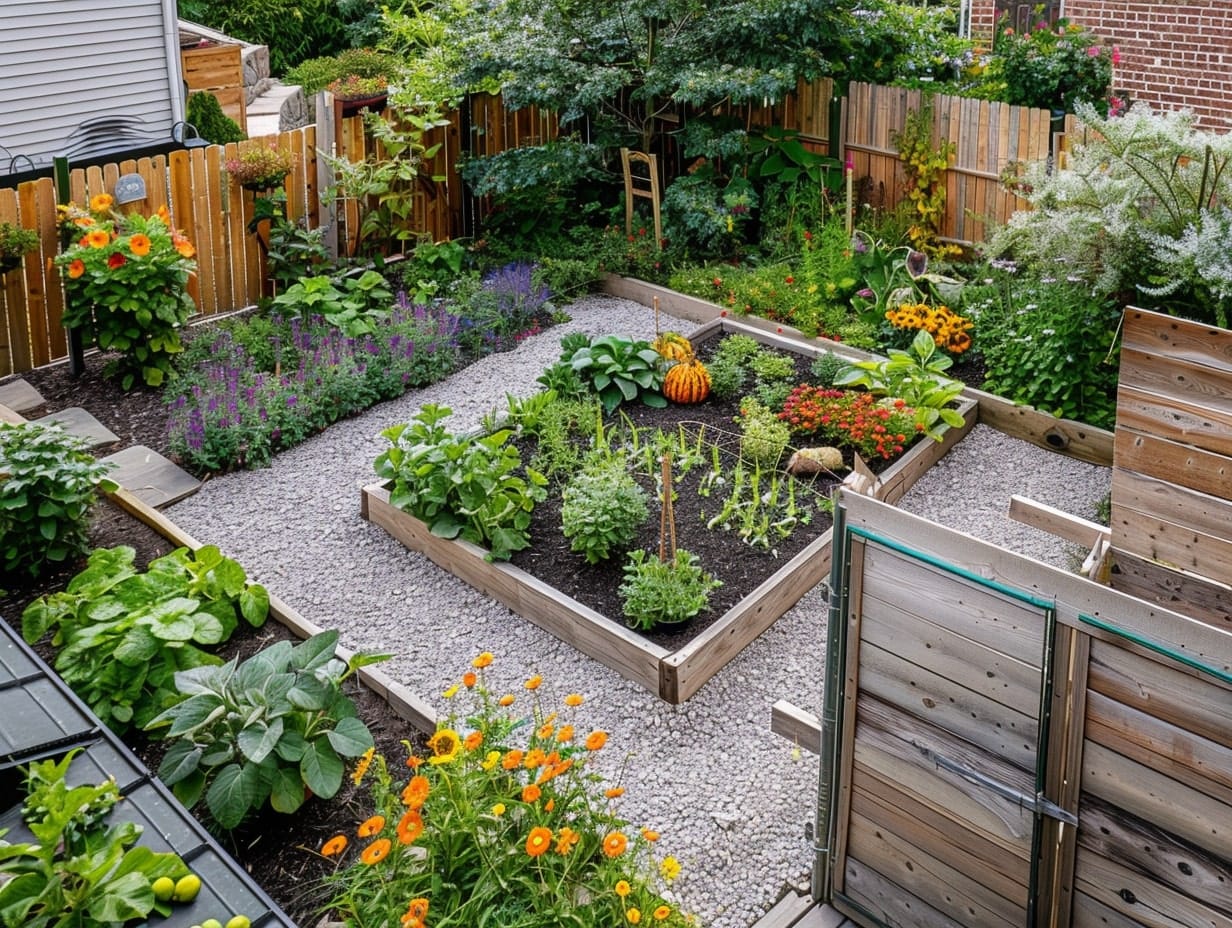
[(175, 72)]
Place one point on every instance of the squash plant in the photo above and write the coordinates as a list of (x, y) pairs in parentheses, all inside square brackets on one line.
[(123, 634), (616, 368), (271, 728)]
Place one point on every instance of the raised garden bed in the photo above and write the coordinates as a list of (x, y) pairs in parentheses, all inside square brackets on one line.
[(674, 675)]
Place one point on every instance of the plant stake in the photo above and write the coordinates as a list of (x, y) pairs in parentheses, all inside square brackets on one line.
[(667, 520)]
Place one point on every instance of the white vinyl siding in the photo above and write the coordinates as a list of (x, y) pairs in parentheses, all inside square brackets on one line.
[(66, 61)]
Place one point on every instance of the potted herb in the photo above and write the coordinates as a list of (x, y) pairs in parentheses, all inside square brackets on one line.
[(262, 167), (356, 93), (15, 242)]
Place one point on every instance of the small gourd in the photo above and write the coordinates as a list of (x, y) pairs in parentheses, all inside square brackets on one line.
[(687, 382), (673, 346)]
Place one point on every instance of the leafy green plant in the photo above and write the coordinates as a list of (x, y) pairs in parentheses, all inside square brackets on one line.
[(925, 163), (1051, 67), (601, 510), (79, 872), (268, 729), (204, 113), (48, 482), (352, 304), (617, 369), (15, 242), (761, 507), (656, 592), (917, 377), (431, 268), (123, 634), (294, 250), (461, 486), (763, 438)]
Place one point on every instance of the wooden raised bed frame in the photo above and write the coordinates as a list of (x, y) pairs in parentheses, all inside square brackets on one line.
[(673, 675)]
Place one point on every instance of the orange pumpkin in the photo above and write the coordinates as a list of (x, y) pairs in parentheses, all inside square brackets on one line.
[(673, 346), (687, 382)]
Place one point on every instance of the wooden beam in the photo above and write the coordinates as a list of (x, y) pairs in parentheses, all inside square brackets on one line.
[(797, 725), (1057, 522)]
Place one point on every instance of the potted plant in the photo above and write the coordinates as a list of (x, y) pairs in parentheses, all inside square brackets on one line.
[(262, 167), (15, 242), (355, 93)]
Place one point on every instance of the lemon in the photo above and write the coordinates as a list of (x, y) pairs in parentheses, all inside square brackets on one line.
[(239, 921), (163, 887), (186, 888), (211, 923)]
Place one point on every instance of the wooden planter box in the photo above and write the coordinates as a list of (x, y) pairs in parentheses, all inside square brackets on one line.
[(673, 675)]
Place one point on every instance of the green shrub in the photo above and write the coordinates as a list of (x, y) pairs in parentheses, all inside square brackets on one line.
[(659, 593), (204, 113), (727, 378), (602, 509), (47, 485), (763, 438), (315, 74), (617, 369), (123, 634), (271, 728)]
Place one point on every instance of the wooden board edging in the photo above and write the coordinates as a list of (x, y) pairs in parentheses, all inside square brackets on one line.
[(405, 704), (1064, 436)]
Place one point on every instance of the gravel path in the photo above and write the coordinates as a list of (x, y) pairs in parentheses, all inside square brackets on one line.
[(729, 798)]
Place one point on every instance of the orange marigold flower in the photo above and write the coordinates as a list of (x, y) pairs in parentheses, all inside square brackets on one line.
[(97, 238), (534, 682), (377, 851), (538, 841), (512, 760), (633, 916), (545, 730), (413, 762), (534, 758), (183, 246), (139, 245), (661, 913), (650, 835), (596, 740), (614, 844), (76, 268), (483, 660), (506, 700), (615, 792), (469, 679), (334, 846), (416, 792), (623, 888), (416, 912), (473, 740), (531, 793), (371, 827), (566, 840), (564, 734), (116, 260), (100, 202), (410, 827), (573, 699)]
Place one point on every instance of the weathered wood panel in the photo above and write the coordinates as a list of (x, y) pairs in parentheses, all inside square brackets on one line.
[(873, 892), (1202, 598), (1140, 899), (1184, 465), (1171, 524), (1174, 419)]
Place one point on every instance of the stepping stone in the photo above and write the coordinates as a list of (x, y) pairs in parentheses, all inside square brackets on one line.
[(19, 396), (151, 477), (76, 421)]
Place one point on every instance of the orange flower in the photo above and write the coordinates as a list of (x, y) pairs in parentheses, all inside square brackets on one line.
[(549, 805), (371, 827), (183, 246), (596, 740), (615, 792), (538, 841), (661, 913), (573, 699), (623, 888), (534, 758), (512, 760), (564, 734), (633, 916), (566, 840), (97, 238), (164, 214), (483, 660), (534, 682), (375, 852), (411, 827), (416, 792), (334, 846), (469, 679), (83, 222), (413, 762), (531, 793), (552, 770), (649, 835), (76, 268), (473, 740), (418, 909), (506, 700), (614, 844), (100, 202), (139, 245), (545, 730)]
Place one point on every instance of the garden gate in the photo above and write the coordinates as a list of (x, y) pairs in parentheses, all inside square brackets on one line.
[(1008, 744)]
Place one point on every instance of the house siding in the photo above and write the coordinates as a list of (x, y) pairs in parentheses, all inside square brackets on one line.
[(1174, 55), (67, 61)]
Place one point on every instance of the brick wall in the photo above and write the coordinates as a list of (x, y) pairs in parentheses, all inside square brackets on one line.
[(1174, 55)]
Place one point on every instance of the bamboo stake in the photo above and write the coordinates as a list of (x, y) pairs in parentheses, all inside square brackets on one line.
[(656, 315), (667, 518)]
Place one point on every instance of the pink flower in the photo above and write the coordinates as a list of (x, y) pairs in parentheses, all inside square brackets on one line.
[(1092, 51), (1116, 54)]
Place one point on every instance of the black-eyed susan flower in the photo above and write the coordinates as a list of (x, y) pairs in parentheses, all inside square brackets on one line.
[(445, 746)]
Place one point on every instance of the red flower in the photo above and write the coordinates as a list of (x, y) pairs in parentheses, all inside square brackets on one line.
[(116, 260)]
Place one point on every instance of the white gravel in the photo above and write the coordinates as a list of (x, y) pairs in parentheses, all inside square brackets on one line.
[(730, 799)]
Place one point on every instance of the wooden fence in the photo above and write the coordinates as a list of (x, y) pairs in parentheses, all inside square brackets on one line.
[(214, 212)]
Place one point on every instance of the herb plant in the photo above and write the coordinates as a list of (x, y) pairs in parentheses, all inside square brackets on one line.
[(123, 634), (79, 872), (271, 728), (602, 509), (763, 438), (656, 592), (48, 482), (462, 486)]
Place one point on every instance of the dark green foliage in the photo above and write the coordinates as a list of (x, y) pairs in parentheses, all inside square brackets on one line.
[(204, 113), (293, 29), (615, 368), (657, 593), (315, 74), (602, 509), (47, 485)]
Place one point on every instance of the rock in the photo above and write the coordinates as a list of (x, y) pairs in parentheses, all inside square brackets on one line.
[(815, 460)]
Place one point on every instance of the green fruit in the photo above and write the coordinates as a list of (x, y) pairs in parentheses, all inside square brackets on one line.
[(239, 921), (186, 888), (163, 888), (211, 923)]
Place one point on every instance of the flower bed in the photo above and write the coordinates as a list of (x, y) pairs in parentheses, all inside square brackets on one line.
[(674, 675)]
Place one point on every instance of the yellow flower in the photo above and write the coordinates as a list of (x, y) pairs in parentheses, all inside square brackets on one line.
[(506, 700), (362, 765), (649, 835), (564, 734), (669, 868), (451, 692), (545, 730), (483, 660), (633, 916), (100, 202), (534, 682), (445, 745), (573, 699), (499, 809), (492, 759), (623, 888), (661, 913)]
